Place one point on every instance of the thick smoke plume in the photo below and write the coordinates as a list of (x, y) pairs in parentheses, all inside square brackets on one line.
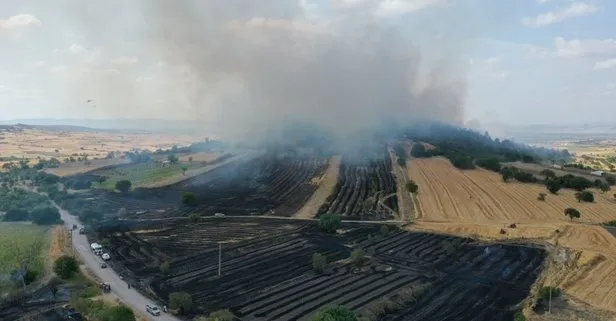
[(255, 64), (246, 66)]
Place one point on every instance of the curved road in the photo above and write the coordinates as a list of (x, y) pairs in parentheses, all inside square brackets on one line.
[(119, 288)]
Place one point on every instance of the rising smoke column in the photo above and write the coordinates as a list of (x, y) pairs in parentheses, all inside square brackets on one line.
[(255, 64)]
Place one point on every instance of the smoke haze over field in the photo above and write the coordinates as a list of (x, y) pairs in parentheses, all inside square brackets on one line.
[(256, 65), (241, 66)]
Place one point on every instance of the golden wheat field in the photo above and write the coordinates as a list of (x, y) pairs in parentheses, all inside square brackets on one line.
[(449, 194)]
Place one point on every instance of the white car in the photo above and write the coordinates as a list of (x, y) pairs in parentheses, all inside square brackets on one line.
[(152, 309), (106, 256)]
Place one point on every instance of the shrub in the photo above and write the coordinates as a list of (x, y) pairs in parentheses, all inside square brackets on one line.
[(585, 196), (45, 215), (164, 267), (541, 196), (16, 215), (544, 292), (524, 177), (412, 187), (194, 217), (181, 301), (490, 164), (221, 315), (610, 223), (461, 162), (553, 185), (334, 313), (418, 150), (611, 179), (357, 257), (329, 223), (508, 172), (65, 266), (519, 316), (319, 261), (123, 185), (189, 199), (548, 173), (572, 213), (384, 230)]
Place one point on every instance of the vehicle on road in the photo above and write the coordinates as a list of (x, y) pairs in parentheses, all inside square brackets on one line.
[(82, 231), (152, 309), (103, 265), (219, 215), (106, 257), (106, 287)]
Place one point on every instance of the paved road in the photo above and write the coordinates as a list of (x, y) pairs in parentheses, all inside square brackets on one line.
[(119, 288)]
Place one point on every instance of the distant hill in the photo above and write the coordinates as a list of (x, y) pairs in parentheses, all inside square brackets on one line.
[(187, 127)]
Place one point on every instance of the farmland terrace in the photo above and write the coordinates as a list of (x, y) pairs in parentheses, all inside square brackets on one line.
[(366, 188), (262, 185), (267, 271)]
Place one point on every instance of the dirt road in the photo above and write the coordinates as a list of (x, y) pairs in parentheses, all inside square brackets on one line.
[(119, 288)]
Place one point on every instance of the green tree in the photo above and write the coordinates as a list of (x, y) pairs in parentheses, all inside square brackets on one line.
[(194, 217), (412, 187), (164, 267), (334, 313), (190, 159), (541, 196), (45, 215), (508, 173), (548, 173), (553, 185), (189, 199), (118, 313), (585, 196), (329, 223), (611, 179), (572, 213), (53, 285), (184, 169), (319, 261), (173, 159), (123, 185), (604, 186), (16, 215), (181, 301), (357, 257), (492, 164), (65, 266)]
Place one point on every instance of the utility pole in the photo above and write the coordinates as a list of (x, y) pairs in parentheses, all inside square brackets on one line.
[(219, 257)]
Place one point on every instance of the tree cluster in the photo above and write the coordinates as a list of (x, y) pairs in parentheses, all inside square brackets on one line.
[(329, 223)]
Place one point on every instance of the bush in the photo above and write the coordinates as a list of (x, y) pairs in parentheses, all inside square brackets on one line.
[(553, 185), (541, 197), (418, 150), (412, 187), (45, 215), (65, 266), (357, 257), (181, 301), (611, 179), (189, 199), (194, 217), (519, 316), (118, 313), (384, 230), (319, 261), (123, 185), (572, 213), (164, 267), (16, 215), (461, 162), (508, 172), (544, 292), (221, 315), (548, 173), (329, 223), (524, 177), (585, 196), (334, 313), (491, 164), (610, 223)]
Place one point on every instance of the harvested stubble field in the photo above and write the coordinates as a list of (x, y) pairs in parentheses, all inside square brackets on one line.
[(478, 203), (30, 143), (449, 194), (267, 272), (366, 188), (141, 175)]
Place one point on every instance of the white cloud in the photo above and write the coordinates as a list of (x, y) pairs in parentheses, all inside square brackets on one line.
[(575, 48), (576, 9), (394, 7), (124, 61), (19, 21), (76, 49), (606, 64), (494, 60), (36, 65)]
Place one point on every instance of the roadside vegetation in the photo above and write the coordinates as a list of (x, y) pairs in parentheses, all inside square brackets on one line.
[(23, 250)]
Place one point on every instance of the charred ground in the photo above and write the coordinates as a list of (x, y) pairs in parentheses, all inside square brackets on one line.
[(267, 272)]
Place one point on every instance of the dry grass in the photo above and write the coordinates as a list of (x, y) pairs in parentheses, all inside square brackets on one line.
[(200, 157), (405, 200), (478, 204), (448, 194), (79, 168), (60, 243), (326, 184)]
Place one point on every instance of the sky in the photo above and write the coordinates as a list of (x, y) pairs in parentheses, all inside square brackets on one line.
[(514, 62)]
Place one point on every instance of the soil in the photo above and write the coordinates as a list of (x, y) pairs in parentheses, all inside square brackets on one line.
[(267, 272), (326, 185)]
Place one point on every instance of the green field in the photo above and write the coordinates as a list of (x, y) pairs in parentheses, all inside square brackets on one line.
[(22, 244), (141, 174)]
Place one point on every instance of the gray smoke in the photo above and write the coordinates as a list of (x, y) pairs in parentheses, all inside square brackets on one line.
[(243, 66)]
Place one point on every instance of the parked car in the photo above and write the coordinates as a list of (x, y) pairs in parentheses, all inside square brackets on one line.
[(106, 256), (103, 265), (219, 215), (82, 231), (152, 309)]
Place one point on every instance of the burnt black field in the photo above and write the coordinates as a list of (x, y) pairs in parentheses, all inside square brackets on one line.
[(267, 270)]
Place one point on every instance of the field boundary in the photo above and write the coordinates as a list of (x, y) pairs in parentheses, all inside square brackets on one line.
[(327, 184)]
